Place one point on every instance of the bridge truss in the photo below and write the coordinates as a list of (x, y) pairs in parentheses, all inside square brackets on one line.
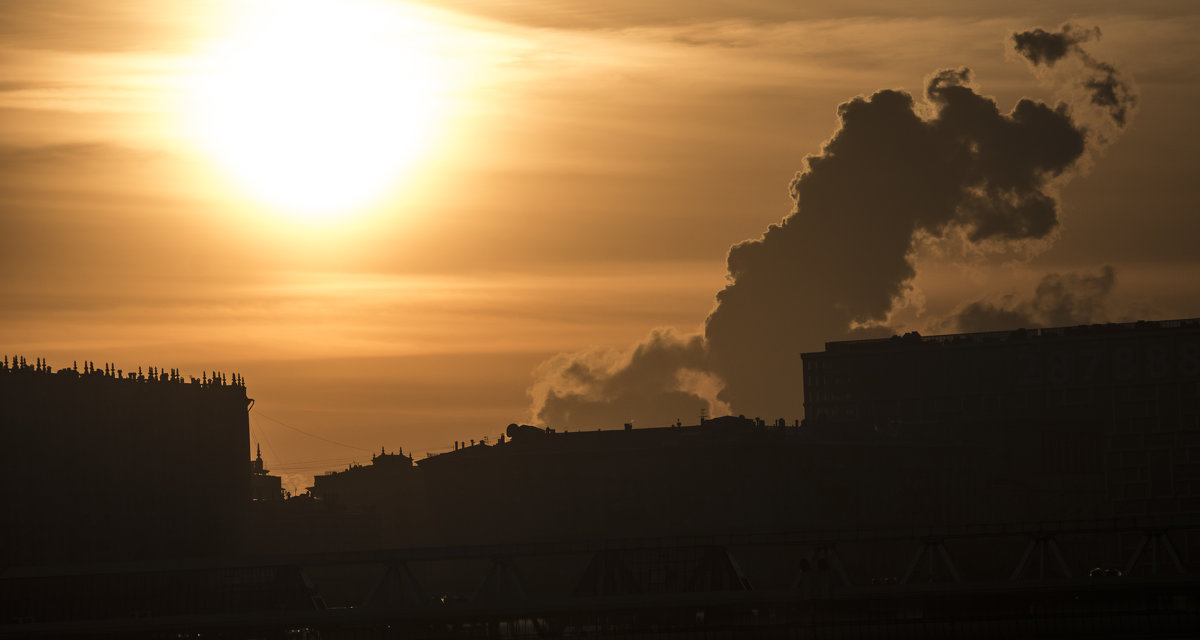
[(1106, 578)]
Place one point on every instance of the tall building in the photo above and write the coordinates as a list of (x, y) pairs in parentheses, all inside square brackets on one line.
[(102, 465), (1115, 403)]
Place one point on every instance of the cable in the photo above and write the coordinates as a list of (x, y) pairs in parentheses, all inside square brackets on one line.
[(262, 434), (319, 461), (323, 466), (311, 435)]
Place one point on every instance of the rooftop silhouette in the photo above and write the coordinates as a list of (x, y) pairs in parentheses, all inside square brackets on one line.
[(20, 366)]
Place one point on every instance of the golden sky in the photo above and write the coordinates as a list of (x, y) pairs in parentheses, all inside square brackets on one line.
[(398, 221)]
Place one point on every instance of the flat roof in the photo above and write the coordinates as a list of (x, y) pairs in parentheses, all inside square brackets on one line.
[(1087, 330)]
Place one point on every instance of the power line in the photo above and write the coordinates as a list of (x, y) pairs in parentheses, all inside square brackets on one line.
[(323, 466), (262, 434), (313, 435), (320, 461)]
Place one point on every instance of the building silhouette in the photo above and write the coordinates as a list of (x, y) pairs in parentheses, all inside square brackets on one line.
[(1111, 410), (1019, 426), (102, 465), (263, 485), (978, 479)]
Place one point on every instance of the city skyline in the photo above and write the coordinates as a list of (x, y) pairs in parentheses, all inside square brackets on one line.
[(404, 223)]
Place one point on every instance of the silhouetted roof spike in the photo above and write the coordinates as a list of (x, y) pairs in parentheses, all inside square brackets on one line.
[(41, 366), (257, 466)]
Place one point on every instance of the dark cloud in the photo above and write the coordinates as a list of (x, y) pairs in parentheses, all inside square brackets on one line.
[(1111, 93), (842, 258), (894, 171), (1044, 47), (1102, 82), (1060, 300)]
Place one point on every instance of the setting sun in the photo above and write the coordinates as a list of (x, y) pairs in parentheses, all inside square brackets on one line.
[(318, 108)]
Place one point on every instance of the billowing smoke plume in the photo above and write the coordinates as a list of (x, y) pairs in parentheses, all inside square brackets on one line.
[(843, 257), (1043, 47), (1060, 300), (895, 170), (1105, 88), (661, 380)]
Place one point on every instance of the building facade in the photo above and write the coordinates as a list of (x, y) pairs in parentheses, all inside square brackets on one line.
[(1117, 403), (99, 465)]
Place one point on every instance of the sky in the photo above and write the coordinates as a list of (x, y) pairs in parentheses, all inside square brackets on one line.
[(410, 224)]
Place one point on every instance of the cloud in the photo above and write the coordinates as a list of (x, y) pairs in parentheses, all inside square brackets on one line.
[(1043, 47), (896, 170), (1059, 300), (580, 14), (1105, 86)]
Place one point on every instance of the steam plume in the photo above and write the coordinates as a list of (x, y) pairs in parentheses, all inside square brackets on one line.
[(894, 171), (1060, 300), (1043, 47), (843, 256), (661, 380), (1103, 83)]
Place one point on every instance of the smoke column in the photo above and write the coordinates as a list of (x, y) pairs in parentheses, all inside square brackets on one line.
[(1105, 87), (1061, 299), (895, 170)]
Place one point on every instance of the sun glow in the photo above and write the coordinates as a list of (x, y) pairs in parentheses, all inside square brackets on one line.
[(317, 108)]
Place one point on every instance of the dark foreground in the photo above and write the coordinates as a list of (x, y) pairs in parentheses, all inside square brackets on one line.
[(1119, 578)]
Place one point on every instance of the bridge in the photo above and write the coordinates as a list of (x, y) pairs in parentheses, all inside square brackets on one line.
[(1118, 578)]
